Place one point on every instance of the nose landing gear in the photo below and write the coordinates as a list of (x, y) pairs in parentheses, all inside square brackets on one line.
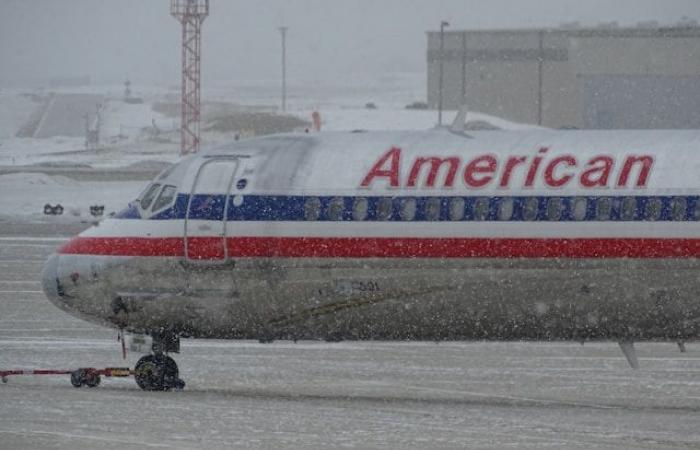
[(159, 372)]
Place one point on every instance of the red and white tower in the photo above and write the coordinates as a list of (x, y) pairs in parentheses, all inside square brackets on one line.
[(191, 14)]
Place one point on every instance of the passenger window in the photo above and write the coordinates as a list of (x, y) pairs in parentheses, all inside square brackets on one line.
[(554, 209), (148, 197), (359, 209), (384, 208), (481, 209), (580, 208), (530, 208), (603, 208), (696, 210), (652, 211), (457, 209), (505, 209), (165, 198), (408, 209), (679, 209), (335, 209), (312, 208), (432, 208), (629, 208)]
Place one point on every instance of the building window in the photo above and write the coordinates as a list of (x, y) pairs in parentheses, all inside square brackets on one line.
[(652, 210), (679, 209), (554, 209), (359, 209), (629, 208), (505, 209), (580, 209), (530, 207), (336, 209), (603, 208), (312, 208), (384, 208), (432, 208), (481, 209), (408, 209), (457, 209)]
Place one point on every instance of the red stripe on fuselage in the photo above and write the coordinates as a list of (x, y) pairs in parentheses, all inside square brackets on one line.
[(124, 246), (205, 248), (301, 247)]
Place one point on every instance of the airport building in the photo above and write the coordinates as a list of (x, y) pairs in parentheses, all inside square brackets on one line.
[(606, 77)]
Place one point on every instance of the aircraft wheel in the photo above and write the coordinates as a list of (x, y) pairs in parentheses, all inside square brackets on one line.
[(92, 380), (77, 378), (157, 373), (82, 377)]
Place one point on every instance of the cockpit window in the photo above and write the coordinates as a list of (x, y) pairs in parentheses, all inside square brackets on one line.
[(148, 197), (165, 198)]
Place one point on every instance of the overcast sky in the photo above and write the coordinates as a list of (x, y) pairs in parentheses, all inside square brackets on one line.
[(328, 40)]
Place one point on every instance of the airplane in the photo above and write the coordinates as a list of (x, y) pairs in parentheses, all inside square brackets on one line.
[(400, 235)]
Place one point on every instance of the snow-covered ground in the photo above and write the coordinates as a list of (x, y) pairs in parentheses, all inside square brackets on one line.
[(342, 119), (317, 395), (15, 110), (129, 133), (25, 194), (133, 132), (135, 136)]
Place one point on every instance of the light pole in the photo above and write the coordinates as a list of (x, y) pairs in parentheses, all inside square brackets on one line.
[(443, 25), (283, 32)]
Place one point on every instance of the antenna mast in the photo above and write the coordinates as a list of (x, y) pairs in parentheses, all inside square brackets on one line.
[(283, 31)]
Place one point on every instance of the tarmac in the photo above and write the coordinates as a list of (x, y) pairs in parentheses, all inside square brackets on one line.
[(317, 395)]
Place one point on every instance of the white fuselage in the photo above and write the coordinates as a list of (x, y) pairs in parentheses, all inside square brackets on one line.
[(404, 235)]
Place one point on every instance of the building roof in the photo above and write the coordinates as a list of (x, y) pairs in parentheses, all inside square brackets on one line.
[(604, 30)]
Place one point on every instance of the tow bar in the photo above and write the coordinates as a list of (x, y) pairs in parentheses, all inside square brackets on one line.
[(87, 376)]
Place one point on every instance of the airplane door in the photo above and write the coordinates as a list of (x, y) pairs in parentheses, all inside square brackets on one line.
[(205, 223)]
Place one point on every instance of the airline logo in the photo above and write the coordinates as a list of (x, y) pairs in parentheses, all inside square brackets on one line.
[(488, 171)]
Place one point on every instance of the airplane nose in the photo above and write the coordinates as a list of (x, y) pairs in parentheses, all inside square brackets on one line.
[(49, 280)]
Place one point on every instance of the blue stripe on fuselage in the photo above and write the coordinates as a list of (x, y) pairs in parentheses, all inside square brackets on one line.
[(334, 208)]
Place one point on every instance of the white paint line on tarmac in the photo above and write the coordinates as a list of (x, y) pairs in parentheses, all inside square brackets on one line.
[(76, 436), (34, 238), (16, 261), (21, 292), (27, 245), (19, 281)]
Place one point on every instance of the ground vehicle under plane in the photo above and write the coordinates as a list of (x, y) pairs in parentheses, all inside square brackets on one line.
[(431, 235)]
